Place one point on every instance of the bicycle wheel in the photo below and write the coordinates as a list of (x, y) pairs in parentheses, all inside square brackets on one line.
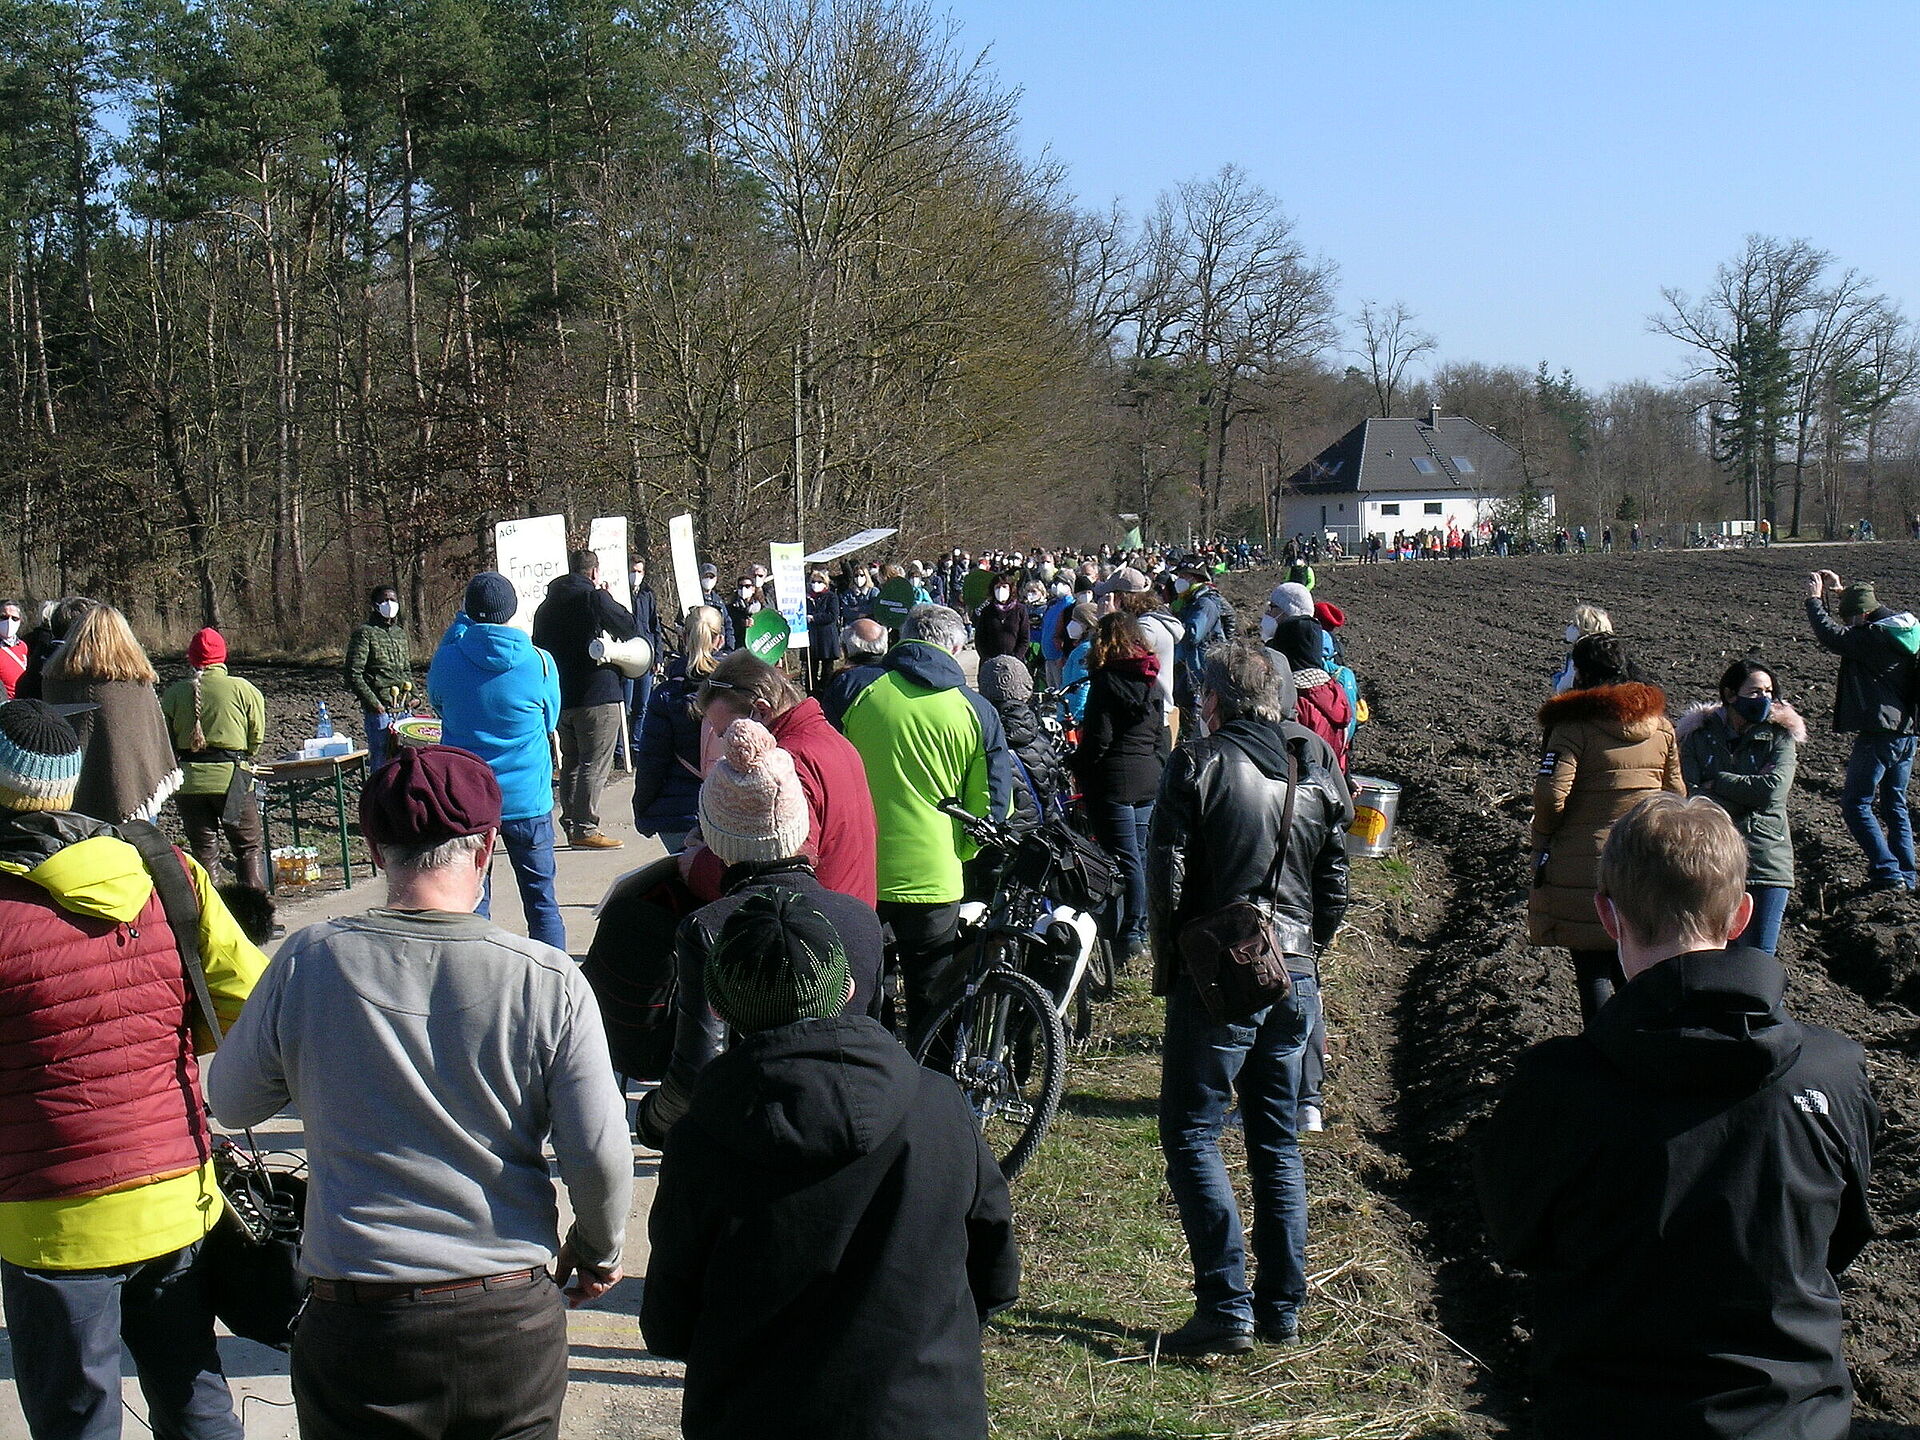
[(1009, 1059)]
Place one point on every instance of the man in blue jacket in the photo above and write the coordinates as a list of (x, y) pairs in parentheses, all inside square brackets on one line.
[(499, 697), (593, 708)]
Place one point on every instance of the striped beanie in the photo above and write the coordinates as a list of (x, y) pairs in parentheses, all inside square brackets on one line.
[(39, 757), (776, 960)]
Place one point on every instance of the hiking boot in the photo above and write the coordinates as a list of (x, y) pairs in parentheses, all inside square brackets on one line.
[(595, 840), (1312, 1120), (1281, 1331), (1204, 1336)]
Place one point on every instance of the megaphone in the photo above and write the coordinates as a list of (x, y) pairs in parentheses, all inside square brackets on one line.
[(767, 636), (632, 658)]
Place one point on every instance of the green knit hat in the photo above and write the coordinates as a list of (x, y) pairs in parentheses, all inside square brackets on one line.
[(776, 960), (1858, 599)]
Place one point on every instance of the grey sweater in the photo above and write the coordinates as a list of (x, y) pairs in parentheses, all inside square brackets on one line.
[(431, 1055)]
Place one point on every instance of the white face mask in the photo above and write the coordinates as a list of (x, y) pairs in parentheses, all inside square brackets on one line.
[(707, 582), (637, 579), (818, 587), (1061, 592), (861, 581), (1268, 624), (1182, 585), (746, 592), (1075, 629), (388, 609), (1002, 594)]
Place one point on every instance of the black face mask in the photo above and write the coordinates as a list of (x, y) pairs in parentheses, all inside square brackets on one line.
[(1753, 708)]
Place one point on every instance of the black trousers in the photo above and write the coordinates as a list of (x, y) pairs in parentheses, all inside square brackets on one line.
[(1598, 975), (471, 1365), (923, 948)]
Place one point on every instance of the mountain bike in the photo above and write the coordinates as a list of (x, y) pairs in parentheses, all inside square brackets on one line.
[(1034, 944)]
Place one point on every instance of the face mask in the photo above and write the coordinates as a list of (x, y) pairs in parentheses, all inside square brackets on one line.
[(388, 609), (746, 592), (1075, 629), (1061, 592), (1753, 708), (1002, 594), (818, 587), (861, 581), (637, 579), (1268, 624), (1182, 585), (1573, 633), (707, 582)]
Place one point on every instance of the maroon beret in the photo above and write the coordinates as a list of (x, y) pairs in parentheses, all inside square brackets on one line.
[(427, 794)]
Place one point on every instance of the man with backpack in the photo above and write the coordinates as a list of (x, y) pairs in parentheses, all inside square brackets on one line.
[(1874, 698), (1208, 619)]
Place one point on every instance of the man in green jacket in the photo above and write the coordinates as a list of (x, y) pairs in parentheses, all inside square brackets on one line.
[(217, 721), (925, 737), (380, 670)]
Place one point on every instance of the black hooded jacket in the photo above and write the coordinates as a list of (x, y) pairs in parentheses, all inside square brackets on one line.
[(1683, 1182), (829, 1234), (575, 611)]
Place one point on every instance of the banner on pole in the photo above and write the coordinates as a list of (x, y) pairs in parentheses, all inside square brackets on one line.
[(607, 538), (686, 564), (790, 590), (850, 544), (529, 553)]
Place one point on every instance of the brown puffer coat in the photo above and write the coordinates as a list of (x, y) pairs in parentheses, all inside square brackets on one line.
[(1606, 748)]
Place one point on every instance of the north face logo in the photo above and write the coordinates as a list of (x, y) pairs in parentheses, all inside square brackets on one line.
[(1812, 1102)]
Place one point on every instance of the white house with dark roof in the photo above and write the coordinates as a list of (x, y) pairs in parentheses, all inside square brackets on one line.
[(1384, 476)]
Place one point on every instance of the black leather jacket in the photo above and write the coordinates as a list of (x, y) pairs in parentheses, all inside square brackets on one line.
[(699, 1035), (1215, 825)]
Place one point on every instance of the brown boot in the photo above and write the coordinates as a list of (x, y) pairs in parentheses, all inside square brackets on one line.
[(594, 840)]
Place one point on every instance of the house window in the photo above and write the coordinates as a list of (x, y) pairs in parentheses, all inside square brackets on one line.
[(1463, 465), (1425, 466), (1433, 507), (1393, 509)]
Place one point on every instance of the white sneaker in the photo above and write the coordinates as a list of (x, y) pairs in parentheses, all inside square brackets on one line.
[(1311, 1120)]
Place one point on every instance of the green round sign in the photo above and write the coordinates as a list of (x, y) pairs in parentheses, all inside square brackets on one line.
[(767, 636), (895, 602)]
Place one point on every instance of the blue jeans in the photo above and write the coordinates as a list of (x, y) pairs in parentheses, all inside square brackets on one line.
[(1769, 909), (639, 692), (1203, 1066), (1880, 765), (68, 1327), (379, 739), (529, 845), (1122, 830)]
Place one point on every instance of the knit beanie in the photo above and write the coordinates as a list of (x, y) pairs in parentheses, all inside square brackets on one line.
[(1330, 615), (776, 960), (1291, 599), (39, 757), (491, 598), (208, 647), (428, 794), (1004, 679), (751, 803), (1858, 599)]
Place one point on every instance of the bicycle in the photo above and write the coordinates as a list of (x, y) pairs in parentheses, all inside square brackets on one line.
[(1034, 945)]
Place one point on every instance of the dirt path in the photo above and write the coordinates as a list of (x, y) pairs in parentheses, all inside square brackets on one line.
[(1456, 658)]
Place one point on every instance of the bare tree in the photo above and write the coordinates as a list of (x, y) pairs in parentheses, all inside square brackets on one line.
[(1389, 343)]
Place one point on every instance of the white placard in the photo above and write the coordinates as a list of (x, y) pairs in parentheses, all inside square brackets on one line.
[(790, 590), (849, 545), (686, 564), (530, 553), (607, 538)]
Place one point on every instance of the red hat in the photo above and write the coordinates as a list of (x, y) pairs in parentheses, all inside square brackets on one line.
[(206, 648), (1329, 614), (427, 794)]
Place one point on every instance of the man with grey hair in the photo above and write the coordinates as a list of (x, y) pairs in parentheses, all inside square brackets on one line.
[(861, 645), (924, 737), (433, 1057), (1249, 813)]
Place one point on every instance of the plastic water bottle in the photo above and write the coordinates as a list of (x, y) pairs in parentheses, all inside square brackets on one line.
[(323, 729)]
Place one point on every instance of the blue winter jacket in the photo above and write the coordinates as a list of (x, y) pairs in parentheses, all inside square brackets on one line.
[(666, 791), (498, 695)]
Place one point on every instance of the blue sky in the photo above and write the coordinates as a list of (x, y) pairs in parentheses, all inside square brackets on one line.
[(1525, 176)]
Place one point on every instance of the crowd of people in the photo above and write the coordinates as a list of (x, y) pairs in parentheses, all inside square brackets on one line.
[(830, 1232)]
